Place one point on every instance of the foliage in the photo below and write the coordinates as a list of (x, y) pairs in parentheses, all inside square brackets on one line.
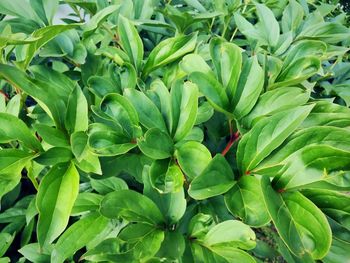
[(174, 131)]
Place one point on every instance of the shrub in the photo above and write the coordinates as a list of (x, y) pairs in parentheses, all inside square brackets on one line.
[(174, 131)]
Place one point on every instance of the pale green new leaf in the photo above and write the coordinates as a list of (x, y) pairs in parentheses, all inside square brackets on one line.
[(56, 195)]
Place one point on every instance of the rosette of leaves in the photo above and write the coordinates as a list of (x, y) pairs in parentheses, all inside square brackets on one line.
[(181, 131)]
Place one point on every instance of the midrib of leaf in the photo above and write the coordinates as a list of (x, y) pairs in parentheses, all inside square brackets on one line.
[(273, 220)]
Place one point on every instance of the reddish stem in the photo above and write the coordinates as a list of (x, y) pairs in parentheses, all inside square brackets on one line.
[(234, 137), (4, 94)]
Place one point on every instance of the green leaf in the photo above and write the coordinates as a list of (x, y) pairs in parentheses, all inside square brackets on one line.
[(173, 246), (45, 9), (5, 242), (269, 26), (267, 135), (108, 185), (168, 51), (245, 201), (160, 95), (300, 224), (230, 233), (193, 158), (275, 101), (330, 32), (318, 135), (328, 114), (194, 62), (172, 205), (166, 176), (292, 17), (98, 19), (131, 206), (135, 242), (79, 235), (13, 128), (332, 203), (250, 85), (108, 141), (184, 100), (12, 161), (56, 196), (130, 41), (85, 159), (45, 34), (148, 112), (33, 254), (322, 163), (122, 111), (18, 8), (227, 60), (217, 178), (53, 99), (212, 90), (51, 135), (220, 255), (77, 118), (156, 144), (54, 156), (338, 252), (298, 71), (86, 202)]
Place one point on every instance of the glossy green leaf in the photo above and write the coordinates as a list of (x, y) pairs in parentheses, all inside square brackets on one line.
[(252, 149), (54, 156), (300, 224), (5, 242), (212, 90), (106, 141), (52, 100), (86, 202), (274, 101), (217, 178), (156, 144), (18, 8), (51, 135), (322, 163), (184, 100), (12, 161), (45, 34), (108, 185), (45, 9), (245, 201), (13, 128), (79, 235), (168, 51), (56, 195), (148, 112), (84, 158), (332, 203), (227, 59), (172, 205), (98, 19), (193, 158), (194, 62), (231, 233), (33, 254), (77, 118), (269, 26), (249, 88), (292, 17), (166, 176), (131, 206), (130, 41)]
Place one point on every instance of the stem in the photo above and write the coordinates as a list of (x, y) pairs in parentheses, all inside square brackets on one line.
[(233, 138)]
